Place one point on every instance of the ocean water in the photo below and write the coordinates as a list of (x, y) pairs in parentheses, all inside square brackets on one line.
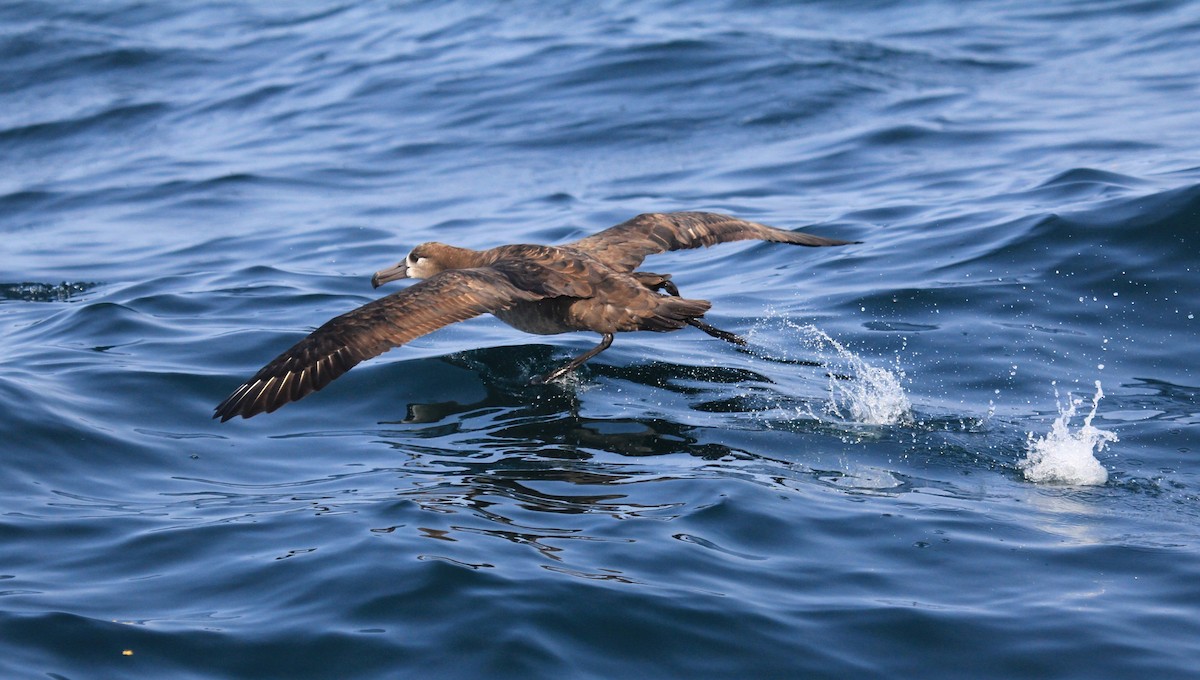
[(966, 447)]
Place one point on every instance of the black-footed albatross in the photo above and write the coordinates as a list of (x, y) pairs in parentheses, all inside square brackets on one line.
[(585, 285)]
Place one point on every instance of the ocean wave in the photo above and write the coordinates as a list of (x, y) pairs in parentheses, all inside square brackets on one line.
[(189, 189)]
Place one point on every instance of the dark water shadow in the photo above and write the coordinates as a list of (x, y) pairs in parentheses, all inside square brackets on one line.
[(514, 413)]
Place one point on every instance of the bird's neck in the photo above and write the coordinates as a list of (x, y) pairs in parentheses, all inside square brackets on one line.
[(453, 257)]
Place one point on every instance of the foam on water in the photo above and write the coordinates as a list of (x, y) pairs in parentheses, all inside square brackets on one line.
[(1066, 457)]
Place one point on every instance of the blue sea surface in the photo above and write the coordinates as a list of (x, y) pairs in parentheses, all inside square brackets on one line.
[(898, 477)]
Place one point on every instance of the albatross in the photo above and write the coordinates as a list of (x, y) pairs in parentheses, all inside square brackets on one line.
[(586, 285)]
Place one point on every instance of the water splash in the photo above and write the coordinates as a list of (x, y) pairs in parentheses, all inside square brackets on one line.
[(45, 292), (858, 391), (1065, 457)]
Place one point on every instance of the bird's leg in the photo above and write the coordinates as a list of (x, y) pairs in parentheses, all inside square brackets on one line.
[(717, 332), (574, 363), (668, 286), (657, 282)]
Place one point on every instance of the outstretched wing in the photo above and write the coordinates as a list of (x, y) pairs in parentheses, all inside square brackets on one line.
[(624, 246), (371, 330)]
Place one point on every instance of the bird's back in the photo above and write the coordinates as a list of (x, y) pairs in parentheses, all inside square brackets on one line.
[(584, 294)]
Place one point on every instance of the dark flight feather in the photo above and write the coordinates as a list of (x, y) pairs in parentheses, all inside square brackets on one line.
[(366, 332), (624, 246)]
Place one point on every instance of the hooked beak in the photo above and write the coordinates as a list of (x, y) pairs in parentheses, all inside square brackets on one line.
[(399, 271)]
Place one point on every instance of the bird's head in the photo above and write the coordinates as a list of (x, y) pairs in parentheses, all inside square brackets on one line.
[(424, 261)]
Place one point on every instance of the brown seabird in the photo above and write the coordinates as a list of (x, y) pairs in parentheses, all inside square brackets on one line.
[(585, 285)]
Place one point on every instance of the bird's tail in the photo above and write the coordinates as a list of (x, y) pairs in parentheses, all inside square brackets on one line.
[(674, 313)]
